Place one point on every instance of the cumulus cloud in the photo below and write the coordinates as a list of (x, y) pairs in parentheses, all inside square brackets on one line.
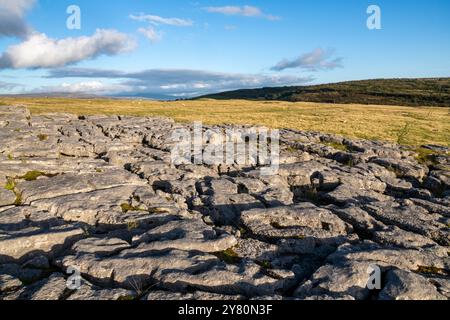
[(181, 82), (246, 11), (151, 34), (40, 51), (157, 20), (12, 22), (316, 60)]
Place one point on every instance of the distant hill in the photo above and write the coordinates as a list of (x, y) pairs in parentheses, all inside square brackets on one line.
[(402, 92)]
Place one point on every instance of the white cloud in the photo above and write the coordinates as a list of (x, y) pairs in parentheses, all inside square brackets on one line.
[(40, 51), (88, 87), (151, 34), (246, 11), (157, 20), (12, 14), (318, 59)]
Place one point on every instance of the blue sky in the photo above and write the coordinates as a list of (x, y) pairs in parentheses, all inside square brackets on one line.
[(177, 48)]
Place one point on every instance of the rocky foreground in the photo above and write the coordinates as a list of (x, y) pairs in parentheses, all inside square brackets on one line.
[(98, 195)]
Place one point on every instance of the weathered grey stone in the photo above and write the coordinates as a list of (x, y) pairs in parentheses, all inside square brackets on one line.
[(188, 235), (433, 207), (17, 218), (438, 182), (70, 184), (256, 250), (300, 221), (361, 221), (411, 218), (405, 285), (90, 292), (135, 268), (100, 246), (37, 262), (222, 186), (246, 279), (405, 259), (9, 283), (148, 228), (397, 184), (442, 285), (105, 207), (347, 194), (195, 296), (23, 273), (338, 281), (403, 168), (276, 197), (249, 185), (225, 209), (53, 288), (397, 237), (7, 197), (17, 245)]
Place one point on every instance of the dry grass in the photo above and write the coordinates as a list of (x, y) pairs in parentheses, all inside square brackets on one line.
[(408, 125)]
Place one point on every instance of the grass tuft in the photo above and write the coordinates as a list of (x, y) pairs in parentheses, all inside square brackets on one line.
[(126, 207), (132, 225), (10, 184), (426, 156), (229, 256), (42, 137), (337, 146), (34, 175)]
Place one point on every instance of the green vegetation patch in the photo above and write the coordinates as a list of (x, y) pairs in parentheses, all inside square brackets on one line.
[(42, 137), (229, 256), (426, 156), (291, 149), (19, 200), (403, 133), (132, 225), (126, 207), (337, 146), (34, 175), (264, 264), (10, 184)]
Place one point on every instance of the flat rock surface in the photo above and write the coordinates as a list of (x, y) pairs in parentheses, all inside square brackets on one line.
[(92, 207)]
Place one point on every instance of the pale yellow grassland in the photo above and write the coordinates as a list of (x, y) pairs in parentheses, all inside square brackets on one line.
[(414, 125)]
